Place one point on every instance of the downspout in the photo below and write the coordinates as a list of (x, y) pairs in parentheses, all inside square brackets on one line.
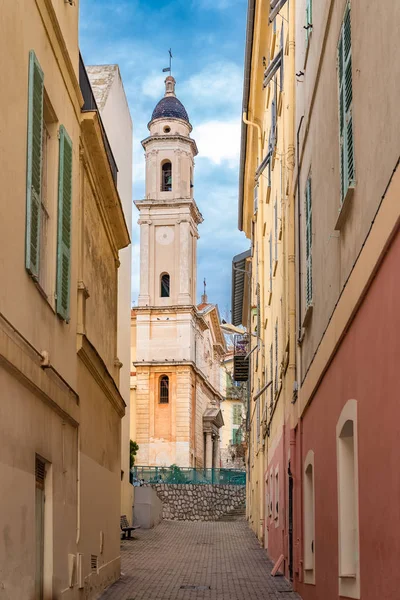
[(259, 139), (299, 228)]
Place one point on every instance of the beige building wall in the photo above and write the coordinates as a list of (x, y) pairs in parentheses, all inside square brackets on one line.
[(58, 405), (113, 105), (339, 234)]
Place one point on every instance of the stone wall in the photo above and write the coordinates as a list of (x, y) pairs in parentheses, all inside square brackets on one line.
[(182, 502)]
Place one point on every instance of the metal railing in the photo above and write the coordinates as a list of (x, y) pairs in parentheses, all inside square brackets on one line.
[(91, 104), (184, 475)]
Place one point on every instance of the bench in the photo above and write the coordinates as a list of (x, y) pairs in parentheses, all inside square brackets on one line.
[(126, 528)]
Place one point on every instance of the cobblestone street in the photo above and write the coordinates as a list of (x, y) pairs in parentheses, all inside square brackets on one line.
[(193, 561)]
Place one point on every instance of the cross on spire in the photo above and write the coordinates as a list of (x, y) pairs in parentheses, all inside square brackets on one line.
[(169, 69)]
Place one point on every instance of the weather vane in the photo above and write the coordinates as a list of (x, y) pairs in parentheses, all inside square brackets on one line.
[(169, 69), (205, 285)]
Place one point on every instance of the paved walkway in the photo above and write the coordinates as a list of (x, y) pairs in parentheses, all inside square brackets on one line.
[(197, 561)]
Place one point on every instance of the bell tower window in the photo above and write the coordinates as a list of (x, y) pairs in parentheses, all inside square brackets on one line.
[(166, 177), (165, 285), (164, 389)]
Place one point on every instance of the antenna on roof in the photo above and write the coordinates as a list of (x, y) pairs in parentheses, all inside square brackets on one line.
[(169, 69)]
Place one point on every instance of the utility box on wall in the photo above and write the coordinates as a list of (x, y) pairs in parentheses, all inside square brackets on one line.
[(147, 509)]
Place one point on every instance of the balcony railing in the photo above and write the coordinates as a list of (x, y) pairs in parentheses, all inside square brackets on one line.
[(90, 104), (176, 475)]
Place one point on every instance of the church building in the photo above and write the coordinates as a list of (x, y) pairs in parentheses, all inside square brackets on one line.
[(177, 346)]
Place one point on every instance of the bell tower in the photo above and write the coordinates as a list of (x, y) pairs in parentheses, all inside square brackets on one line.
[(168, 215)]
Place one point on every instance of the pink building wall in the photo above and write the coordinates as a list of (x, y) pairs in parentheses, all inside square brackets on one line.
[(366, 367)]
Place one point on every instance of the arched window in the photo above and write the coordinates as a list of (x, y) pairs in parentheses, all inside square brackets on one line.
[(165, 286), (164, 389), (166, 177), (309, 519), (347, 467)]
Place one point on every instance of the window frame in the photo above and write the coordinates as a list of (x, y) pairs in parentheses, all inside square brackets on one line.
[(309, 520), (165, 186), (162, 398), (162, 277)]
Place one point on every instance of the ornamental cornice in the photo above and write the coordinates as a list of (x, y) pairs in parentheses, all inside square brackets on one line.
[(169, 137)]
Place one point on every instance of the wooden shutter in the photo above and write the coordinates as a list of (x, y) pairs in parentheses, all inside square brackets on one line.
[(64, 225), (308, 207), (237, 414), (347, 166), (34, 165), (308, 19)]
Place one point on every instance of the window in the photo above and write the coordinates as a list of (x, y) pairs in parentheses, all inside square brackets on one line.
[(167, 129), (258, 418), (347, 473), (40, 217), (272, 133), (237, 414), (309, 519), (256, 198), (347, 165), (276, 356), (276, 229), (166, 177), (164, 389), (270, 262), (308, 26), (308, 212), (271, 494), (165, 286), (236, 436), (40, 476), (276, 508), (271, 370)]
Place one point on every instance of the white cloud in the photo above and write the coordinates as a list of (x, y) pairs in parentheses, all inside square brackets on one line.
[(217, 85), (153, 85), (219, 141), (215, 4)]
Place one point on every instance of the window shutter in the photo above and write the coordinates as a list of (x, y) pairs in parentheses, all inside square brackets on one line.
[(308, 19), (308, 202), (34, 165), (64, 225), (347, 165)]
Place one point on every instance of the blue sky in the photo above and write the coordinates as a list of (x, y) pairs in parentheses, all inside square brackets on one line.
[(207, 41)]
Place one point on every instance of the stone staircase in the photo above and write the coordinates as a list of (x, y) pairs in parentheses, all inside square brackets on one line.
[(238, 513)]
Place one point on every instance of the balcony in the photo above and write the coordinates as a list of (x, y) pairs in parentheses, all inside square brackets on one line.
[(91, 105)]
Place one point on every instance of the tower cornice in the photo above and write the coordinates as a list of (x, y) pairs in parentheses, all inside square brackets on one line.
[(169, 137), (176, 203)]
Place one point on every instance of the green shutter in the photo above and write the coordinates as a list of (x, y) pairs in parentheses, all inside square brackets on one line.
[(237, 414), (308, 20), (308, 203), (64, 225), (34, 165), (347, 166)]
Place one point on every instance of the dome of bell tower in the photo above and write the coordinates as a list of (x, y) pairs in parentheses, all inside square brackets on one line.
[(170, 107)]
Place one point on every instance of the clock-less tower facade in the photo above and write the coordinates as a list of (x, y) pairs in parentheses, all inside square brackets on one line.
[(168, 328)]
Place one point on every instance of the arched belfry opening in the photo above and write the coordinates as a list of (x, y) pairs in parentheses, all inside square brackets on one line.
[(166, 176), (165, 286)]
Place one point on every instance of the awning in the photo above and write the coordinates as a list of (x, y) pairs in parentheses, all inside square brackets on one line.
[(240, 271)]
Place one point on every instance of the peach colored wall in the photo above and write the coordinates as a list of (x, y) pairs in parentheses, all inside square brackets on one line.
[(361, 369)]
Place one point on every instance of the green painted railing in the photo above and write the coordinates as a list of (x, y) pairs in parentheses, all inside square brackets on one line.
[(176, 474)]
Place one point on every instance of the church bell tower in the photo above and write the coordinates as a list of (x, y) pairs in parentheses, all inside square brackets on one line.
[(168, 215), (166, 318)]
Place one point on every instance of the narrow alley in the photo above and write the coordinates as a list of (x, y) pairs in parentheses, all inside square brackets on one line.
[(196, 561)]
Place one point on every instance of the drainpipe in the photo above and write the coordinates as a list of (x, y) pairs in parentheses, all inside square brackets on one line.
[(253, 124), (299, 226)]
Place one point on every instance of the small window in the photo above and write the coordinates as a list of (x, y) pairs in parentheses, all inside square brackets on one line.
[(166, 177), (167, 129), (165, 285), (309, 519), (164, 389), (308, 207), (276, 516)]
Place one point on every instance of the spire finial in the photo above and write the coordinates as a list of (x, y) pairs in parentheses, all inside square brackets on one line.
[(204, 299), (169, 80)]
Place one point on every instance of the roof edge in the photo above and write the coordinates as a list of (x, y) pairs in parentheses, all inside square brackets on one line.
[(246, 93)]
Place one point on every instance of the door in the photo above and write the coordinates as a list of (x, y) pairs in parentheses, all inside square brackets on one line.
[(290, 523), (40, 473)]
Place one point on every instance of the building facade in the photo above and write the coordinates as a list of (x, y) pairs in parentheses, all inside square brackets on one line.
[(348, 243), (266, 215), (62, 228), (111, 100), (178, 345), (330, 430)]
